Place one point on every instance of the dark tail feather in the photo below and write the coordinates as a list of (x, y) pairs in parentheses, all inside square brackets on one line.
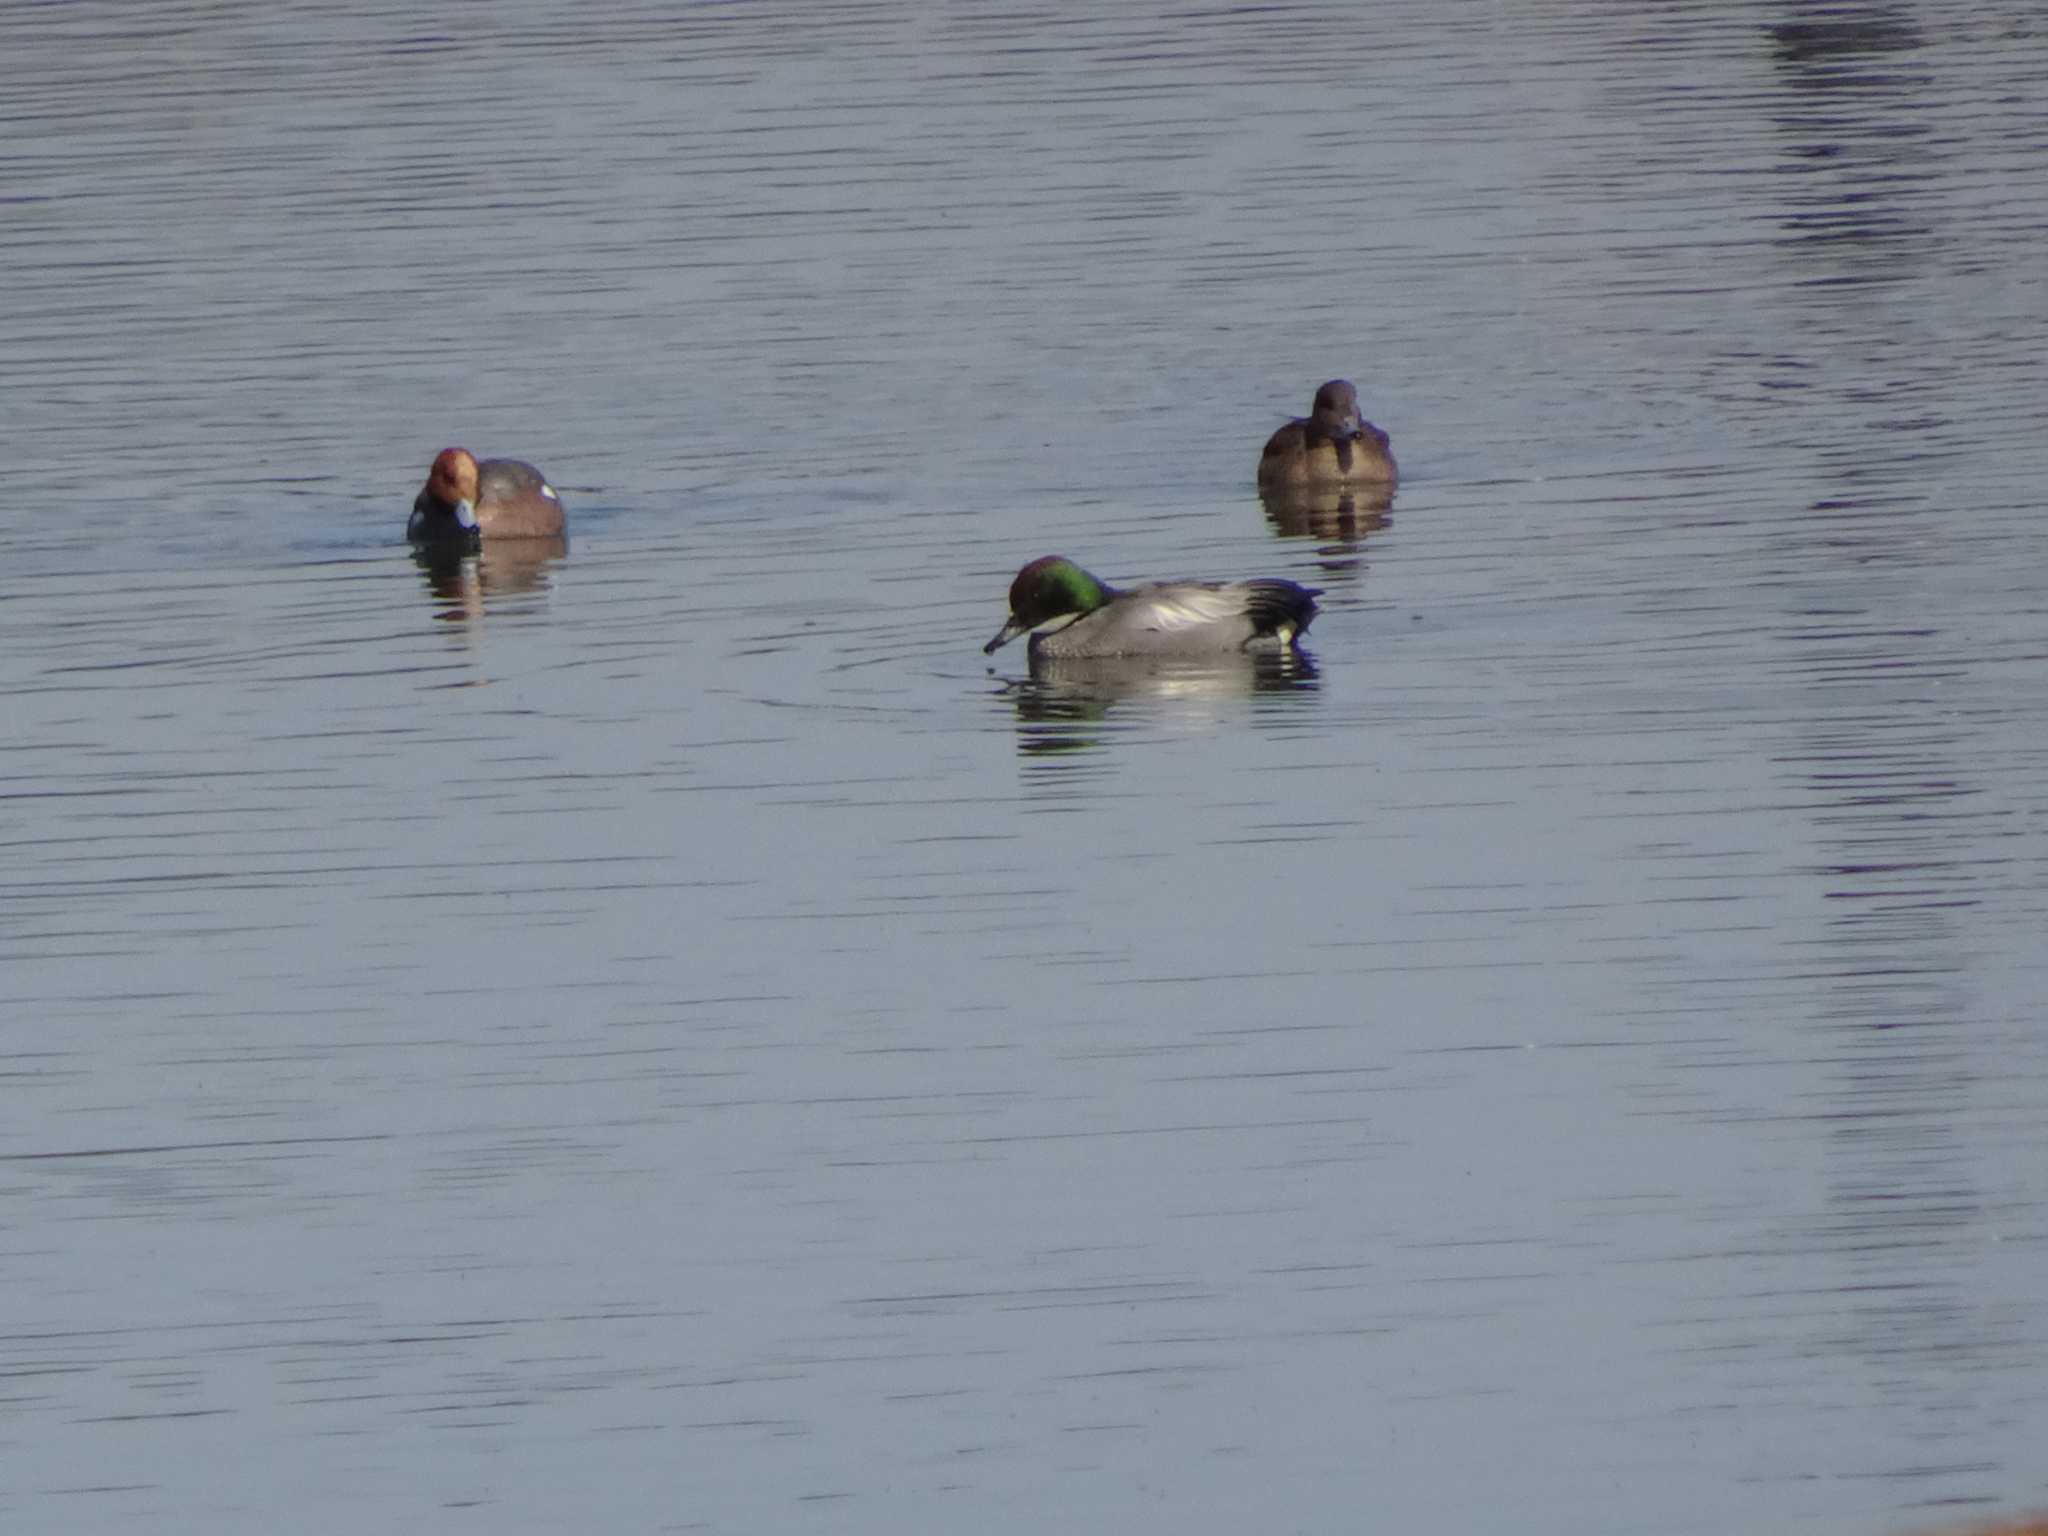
[(1275, 605)]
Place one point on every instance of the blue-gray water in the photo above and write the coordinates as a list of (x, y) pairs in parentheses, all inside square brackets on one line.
[(671, 1038)]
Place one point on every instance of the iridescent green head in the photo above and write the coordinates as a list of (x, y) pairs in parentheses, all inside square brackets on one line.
[(1049, 588)]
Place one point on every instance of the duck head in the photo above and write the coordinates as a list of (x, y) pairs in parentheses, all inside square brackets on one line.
[(1050, 587)]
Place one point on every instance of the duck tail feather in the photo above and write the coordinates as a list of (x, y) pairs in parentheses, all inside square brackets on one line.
[(1277, 606)]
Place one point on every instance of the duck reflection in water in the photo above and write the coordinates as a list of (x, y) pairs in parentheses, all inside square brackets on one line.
[(464, 582), (1338, 515), (1076, 705)]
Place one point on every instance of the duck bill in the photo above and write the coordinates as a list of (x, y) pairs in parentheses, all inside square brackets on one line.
[(465, 516), (1004, 636)]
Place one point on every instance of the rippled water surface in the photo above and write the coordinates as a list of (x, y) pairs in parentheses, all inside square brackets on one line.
[(664, 1035)]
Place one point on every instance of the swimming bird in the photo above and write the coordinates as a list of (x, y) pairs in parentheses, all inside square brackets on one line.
[(1332, 445), (1086, 617), (498, 499)]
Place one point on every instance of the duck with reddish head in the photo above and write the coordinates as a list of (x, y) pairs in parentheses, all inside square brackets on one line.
[(465, 502)]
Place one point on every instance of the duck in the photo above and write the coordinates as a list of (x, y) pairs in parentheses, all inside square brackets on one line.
[(1087, 617), (1332, 445), (497, 499)]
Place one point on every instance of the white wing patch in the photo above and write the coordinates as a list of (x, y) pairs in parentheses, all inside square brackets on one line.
[(1170, 609)]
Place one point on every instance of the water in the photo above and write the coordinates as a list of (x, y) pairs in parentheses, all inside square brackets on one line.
[(663, 1035)]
